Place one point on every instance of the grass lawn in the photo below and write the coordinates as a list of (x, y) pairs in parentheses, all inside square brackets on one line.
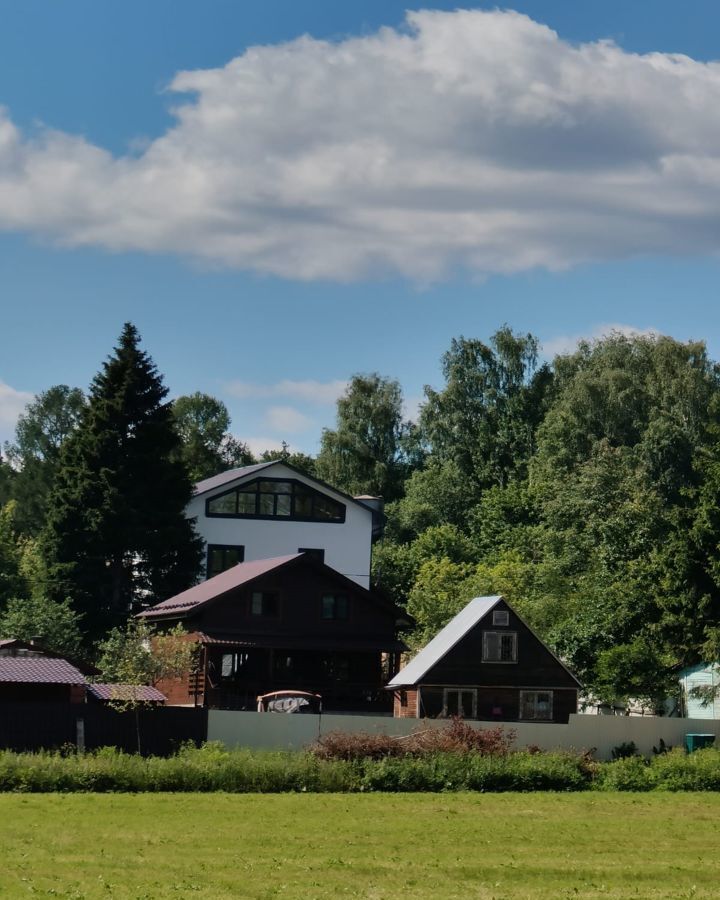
[(374, 846)]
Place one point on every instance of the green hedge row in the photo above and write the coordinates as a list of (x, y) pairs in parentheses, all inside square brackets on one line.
[(213, 768)]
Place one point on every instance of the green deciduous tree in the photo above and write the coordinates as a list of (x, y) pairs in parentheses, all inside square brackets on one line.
[(116, 533), (136, 656), (34, 454), (486, 416), (364, 453), (13, 582), (207, 447), (54, 624)]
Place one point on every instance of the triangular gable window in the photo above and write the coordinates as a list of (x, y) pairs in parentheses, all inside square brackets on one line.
[(272, 498)]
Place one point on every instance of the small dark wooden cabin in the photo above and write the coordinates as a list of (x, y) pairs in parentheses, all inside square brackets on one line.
[(31, 673), (290, 622), (486, 664)]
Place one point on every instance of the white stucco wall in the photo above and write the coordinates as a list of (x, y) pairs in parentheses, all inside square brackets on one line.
[(347, 545)]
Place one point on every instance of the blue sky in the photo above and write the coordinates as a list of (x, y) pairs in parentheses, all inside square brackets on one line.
[(319, 209)]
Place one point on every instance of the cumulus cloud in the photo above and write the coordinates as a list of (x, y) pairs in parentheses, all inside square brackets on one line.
[(12, 404), (258, 445), (287, 420), (568, 343), (317, 392), (467, 140)]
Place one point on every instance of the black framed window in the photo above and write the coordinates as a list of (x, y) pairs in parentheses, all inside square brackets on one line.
[(313, 552), (223, 556), (275, 498), (264, 603), (500, 646), (334, 606)]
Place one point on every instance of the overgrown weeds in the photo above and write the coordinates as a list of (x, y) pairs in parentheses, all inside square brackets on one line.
[(215, 768), (454, 737)]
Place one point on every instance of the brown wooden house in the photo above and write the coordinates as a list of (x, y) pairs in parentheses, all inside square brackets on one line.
[(290, 622), (486, 664)]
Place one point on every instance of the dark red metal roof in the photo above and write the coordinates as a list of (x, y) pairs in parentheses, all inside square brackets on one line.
[(144, 693), (215, 587), (38, 670)]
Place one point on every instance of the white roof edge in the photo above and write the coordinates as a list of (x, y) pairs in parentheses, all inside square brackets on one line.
[(443, 642), (225, 479)]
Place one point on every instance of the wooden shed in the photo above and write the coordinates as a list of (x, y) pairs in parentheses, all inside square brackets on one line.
[(486, 664)]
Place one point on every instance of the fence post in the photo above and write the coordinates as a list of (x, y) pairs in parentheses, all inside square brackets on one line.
[(80, 733)]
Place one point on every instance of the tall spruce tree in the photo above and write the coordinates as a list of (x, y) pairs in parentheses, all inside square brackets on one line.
[(116, 532)]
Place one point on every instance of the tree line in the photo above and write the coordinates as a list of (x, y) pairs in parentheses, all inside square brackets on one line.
[(583, 489)]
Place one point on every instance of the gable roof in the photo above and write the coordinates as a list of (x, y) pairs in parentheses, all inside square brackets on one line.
[(444, 641), (206, 591), (184, 604), (223, 478), (38, 670), (452, 634), (232, 475)]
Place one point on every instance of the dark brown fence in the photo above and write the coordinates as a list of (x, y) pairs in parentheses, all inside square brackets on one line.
[(47, 726)]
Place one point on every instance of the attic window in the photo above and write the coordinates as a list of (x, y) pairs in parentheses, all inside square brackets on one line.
[(263, 603), (500, 646), (501, 617), (273, 498), (334, 606)]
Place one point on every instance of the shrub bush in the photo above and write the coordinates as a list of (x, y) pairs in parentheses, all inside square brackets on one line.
[(454, 737), (630, 773), (214, 768)]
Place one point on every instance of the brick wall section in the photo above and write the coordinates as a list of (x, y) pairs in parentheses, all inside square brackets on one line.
[(405, 705)]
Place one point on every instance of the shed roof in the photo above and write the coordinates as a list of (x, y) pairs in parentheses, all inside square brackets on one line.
[(444, 641), (38, 670), (145, 693)]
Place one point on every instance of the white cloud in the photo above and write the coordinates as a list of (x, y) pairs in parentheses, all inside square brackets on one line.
[(411, 406), (12, 404), (567, 343), (318, 392), (258, 445), (287, 420), (475, 140)]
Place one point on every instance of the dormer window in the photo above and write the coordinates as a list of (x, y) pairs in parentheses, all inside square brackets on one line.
[(272, 498)]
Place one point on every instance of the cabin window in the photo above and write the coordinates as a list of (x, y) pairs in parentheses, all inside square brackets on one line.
[(336, 668), (500, 646), (313, 552), (221, 557), (334, 606), (501, 617), (536, 705), (272, 498), (232, 663), (263, 603), (460, 702)]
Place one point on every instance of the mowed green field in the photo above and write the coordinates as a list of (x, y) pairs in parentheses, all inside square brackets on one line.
[(374, 846)]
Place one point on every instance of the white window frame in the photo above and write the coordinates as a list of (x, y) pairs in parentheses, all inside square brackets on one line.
[(535, 718), (500, 634), (501, 617), (460, 690)]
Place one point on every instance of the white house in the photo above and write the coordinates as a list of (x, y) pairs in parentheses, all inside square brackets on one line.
[(702, 675), (272, 509)]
